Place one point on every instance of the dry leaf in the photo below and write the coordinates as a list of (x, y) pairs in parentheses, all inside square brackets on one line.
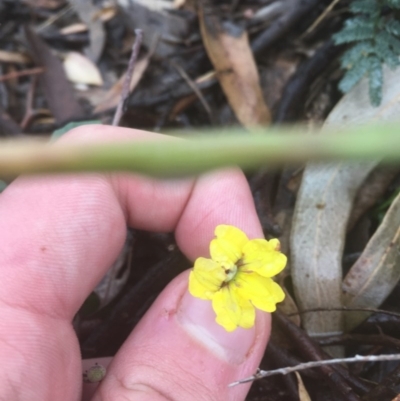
[(50, 4), (303, 393), (322, 211), (155, 5), (57, 90), (87, 13), (179, 3), (81, 70), (106, 13), (14, 57), (236, 69), (113, 96), (319, 227), (74, 28), (377, 271)]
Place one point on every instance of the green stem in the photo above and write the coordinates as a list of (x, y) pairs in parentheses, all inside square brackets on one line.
[(202, 152)]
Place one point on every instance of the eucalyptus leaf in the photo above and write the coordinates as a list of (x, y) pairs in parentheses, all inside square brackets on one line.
[(374, 275), (323, 207), (319, 227)]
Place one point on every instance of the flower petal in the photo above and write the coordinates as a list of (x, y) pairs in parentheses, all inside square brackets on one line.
[(227, 247), (261, 291), (263, 257), (206, 278), (248, 315), (232, 310)]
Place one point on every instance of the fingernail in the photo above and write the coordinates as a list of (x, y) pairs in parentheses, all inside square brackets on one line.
[(198, 318)]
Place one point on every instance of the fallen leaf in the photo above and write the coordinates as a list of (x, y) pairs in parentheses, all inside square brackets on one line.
[(87, 13), (179, 3), (319, 227), (303, 393), (372, 190), (229, 51), (58, 91), (50, 4), (81, 70), (322, 211), (14, 57), (106, 13), (377, 271), (74, 28), (155, 5)]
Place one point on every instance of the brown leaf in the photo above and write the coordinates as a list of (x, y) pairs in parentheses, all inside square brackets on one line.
[(236, 69), (57, 90), (303, 393), (14, 57), (50, 4)]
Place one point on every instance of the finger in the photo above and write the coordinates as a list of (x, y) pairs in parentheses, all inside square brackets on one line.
[(60, 234), (177, 353)]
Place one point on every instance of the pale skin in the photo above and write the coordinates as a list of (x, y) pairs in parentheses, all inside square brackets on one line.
[(58, 237)]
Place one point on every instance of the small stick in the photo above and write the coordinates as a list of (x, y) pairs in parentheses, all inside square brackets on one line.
[(195, 89), (345, 309), (30, 111), (128, 78), (320, 18), (17, 74), (314, 364)]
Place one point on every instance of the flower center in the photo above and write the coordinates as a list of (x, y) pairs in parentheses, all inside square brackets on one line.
[(230, 273)]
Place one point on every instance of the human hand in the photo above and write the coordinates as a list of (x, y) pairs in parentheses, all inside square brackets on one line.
[(58, 237)]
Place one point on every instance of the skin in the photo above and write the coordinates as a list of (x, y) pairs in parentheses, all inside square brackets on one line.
[(58, 237)]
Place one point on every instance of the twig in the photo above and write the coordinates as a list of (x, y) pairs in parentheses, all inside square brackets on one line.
[(314, 364), (30, 111), (195, 88), (343, 308), (128, 78), (358, 339), (17, 74), (338, 378), (320, 18), (54, 18)]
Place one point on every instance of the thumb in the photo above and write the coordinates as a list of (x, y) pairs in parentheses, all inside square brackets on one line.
[(178, 353)]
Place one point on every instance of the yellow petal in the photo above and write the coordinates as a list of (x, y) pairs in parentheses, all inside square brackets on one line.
[(248, 314), (227, 247), (206, 278), (261, 256), (232, 310), (262, 292)]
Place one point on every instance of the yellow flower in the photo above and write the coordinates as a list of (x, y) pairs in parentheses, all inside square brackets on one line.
[(237, 278)]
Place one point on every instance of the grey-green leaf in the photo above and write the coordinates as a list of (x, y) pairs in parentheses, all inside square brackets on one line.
[(377, 271)]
